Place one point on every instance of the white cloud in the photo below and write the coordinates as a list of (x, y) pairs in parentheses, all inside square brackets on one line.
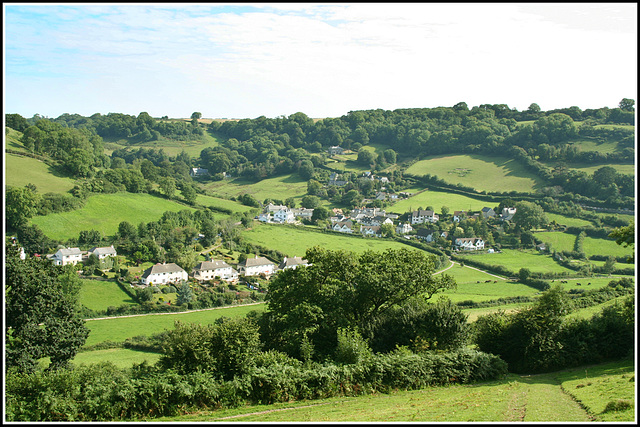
[(327, 59)]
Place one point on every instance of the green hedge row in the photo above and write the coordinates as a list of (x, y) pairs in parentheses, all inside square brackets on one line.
[(102, 392)]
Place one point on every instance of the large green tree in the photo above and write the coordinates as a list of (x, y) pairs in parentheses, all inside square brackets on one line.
[(529, 215), (41, 316), (20, 205), (343, 289)]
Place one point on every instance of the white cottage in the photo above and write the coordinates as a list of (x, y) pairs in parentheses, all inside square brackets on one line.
[(163, 274), (209, 270), (256, 266), (67, 256)]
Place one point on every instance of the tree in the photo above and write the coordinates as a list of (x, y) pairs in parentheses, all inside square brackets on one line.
[(167, 186), (390, 156), (352, 198), (306, 169), (529, 215), (444, 210), (16, 121), (196, 115), (344, 289), (319, 214), (41, 320), (226, 348), (605, 176), (366, 157), (20, 205), (185, 294), (627, 104), (189, 193), (387, 230), (310, 202), (625, 236), (313, 187), (127, 231)]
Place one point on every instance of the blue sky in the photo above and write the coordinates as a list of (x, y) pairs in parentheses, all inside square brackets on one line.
[(249, 60)]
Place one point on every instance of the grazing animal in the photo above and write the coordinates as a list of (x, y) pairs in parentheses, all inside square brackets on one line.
[(579, 284)]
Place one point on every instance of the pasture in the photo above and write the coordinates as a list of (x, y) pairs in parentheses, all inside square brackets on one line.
[(118, 329), (20, 171), (12, 140), (422, 198), (99, 295), (572, 395), (280, 187), (483, 173), (592, 246), (217, 202), (515, 259), (626, 169), (568, 221), (103, 212), (294, 241), (121, 357)]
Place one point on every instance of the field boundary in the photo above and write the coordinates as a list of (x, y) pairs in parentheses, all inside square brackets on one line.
[(174, 312)]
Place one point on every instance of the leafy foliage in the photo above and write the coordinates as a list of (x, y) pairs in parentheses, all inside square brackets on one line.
[(41, 317)]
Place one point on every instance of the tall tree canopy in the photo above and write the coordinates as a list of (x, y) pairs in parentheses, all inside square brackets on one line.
[(41, 317), (343, 289)]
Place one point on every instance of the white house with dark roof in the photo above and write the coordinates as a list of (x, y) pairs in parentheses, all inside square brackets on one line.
[(469, 243), (104, 252), (256, 266), (404, 228), (67, 256), (488, 212), (209, 270), (163, 274), (284, 216), (292, 263), (343, 226), (195, 172), (422, 216), (370, 230), (508, 213)]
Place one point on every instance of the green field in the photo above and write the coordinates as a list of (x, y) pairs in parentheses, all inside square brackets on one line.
[(280, 187), (12, 140), (516, 259), (483, 173), (20, 171), (121, 357), (590, 169), (568, 221), (553, 397), (120, 328), (592, 246), (100, 295), (294, 241), (222, 203), (103, 212), (171, 147), (423, 198)]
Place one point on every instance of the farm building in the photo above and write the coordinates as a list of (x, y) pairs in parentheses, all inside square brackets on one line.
[(104, 252), (469, 243)]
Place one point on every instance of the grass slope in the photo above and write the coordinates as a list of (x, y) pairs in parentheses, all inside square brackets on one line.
[(100, 295), (483, 173), (280, 187), (516, 259), (103, 212), (120, 328), (20, 171), (551, 397), (423, 198), (294, 241)]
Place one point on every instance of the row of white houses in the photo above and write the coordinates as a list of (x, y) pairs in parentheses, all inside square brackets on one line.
[(166, 273), (283, 214), (74, 255)]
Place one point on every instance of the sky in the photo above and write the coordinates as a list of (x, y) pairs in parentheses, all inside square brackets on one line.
[(275, 59)]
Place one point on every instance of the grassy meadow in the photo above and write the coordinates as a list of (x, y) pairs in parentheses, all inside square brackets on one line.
[(572, 395), (592, 246), (422, 198), (280, 187), (118, 329), (39, 174), (103, 212), (222, 203), (121, 357), (483, 173), (294, 241), (515, 259), (100, 295)]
